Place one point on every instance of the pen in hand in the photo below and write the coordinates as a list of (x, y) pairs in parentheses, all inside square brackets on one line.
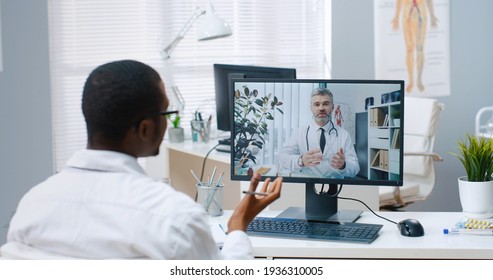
[(255, 193)]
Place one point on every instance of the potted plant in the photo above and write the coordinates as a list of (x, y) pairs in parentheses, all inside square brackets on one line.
[(251, 113), (176, 133), (476, 189), (396, 116)]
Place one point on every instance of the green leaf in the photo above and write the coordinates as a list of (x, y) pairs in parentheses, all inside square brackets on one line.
[(251, 112), (476, 156)]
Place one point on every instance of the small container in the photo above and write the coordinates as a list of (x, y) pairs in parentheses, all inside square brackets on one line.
[(211, 198), (201, 131)]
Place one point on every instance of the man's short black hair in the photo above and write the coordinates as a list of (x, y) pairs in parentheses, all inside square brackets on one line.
[(117, 95)]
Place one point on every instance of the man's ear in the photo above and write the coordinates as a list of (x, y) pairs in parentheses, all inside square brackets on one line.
[(144, 129)]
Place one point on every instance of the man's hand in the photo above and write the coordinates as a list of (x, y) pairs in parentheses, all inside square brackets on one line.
[(312, 157), (251, 205), (338, 161)]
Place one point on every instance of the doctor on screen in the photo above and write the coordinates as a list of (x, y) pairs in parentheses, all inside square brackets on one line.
[(320, 149)]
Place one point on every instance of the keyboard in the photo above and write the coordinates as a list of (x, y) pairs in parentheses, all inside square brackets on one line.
[(303, 229)]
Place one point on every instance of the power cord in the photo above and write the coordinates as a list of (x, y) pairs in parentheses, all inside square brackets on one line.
[(203, 168), (357, 200), (203, 162), (354, 199)]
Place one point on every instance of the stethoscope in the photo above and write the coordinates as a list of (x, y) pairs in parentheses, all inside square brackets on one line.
[(333, 128)]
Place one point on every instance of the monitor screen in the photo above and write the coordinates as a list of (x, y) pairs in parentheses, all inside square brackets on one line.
[(333, 132), (222, 75)]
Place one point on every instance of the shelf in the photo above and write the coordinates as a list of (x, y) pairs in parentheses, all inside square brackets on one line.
[(383, 142)]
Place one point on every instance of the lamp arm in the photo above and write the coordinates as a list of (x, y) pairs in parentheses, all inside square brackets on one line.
[(166, 52), (179, 102)]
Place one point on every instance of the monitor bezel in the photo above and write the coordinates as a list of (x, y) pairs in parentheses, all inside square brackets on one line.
[(311, 180)]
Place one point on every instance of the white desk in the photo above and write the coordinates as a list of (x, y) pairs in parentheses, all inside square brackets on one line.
[(190, 155), (389, 245)]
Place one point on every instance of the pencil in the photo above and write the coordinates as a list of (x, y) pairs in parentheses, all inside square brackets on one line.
[(255, 193)]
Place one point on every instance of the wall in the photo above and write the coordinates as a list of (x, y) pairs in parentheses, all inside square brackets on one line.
[(471, 59), (25, 109)]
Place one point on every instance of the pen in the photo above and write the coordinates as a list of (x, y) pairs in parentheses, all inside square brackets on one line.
[(210, 197), (468, 231), (212, 176), (255, 193), (218, 183), (196, 178), (222, 228)]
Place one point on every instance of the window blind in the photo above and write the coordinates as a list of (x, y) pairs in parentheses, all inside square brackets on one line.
[(87, 33)]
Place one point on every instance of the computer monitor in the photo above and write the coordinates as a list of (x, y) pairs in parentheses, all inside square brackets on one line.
[(275, 133), (222, 75)]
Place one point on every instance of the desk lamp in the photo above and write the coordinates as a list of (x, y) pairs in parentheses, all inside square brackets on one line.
[(213, 27)]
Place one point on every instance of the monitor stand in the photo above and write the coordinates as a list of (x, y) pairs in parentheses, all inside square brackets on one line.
[(321, 207)]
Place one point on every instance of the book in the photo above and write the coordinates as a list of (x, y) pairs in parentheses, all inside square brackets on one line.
[(384, 159), (386, 120), (375, 159), (379, 117), (395, 139)]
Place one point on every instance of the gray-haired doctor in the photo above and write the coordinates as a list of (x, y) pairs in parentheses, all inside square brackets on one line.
[(320, 149)]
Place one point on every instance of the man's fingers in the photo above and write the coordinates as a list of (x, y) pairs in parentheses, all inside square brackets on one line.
[(265, 185), (314, 151), (254, 181)]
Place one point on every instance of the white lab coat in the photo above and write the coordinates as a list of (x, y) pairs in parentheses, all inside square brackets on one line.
[(308, 138), (103, 206)]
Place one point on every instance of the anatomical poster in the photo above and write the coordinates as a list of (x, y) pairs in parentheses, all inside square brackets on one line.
[(412, 43)]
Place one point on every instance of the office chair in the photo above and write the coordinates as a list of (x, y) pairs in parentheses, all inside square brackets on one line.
[(421, 118)]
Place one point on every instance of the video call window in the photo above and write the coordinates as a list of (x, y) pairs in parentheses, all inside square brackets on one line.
[(276, 122)]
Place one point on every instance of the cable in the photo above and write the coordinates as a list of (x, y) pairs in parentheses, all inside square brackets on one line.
[(331, 195), (354, 199), (203, 168), (357, 200), (203, 162)]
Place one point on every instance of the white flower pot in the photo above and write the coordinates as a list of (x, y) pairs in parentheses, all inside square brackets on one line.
[(176, 134), (397, 122), (476, 198)]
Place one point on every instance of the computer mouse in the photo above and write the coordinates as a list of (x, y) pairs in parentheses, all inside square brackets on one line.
[(411, 227)]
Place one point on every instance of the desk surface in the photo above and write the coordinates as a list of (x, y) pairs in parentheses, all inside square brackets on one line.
[(200, 149), (390, 243)]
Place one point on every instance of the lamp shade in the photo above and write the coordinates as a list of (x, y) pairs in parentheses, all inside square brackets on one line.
[(213, 26)]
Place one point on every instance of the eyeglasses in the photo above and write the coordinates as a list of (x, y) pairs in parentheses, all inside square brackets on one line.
[(164, 113), (160, 113)]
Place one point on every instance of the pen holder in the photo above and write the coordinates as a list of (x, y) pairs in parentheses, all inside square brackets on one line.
[(210, 198), (201, 131)]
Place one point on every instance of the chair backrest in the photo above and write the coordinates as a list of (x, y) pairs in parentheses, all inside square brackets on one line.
[(421, 117)]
